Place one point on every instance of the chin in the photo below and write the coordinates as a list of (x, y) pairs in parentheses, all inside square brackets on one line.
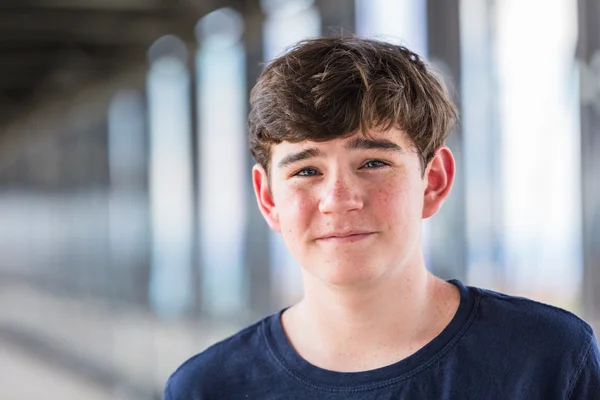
[(349, 274)]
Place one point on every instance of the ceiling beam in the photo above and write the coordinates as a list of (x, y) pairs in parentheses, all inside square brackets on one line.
[(116, 5), (101, 28)]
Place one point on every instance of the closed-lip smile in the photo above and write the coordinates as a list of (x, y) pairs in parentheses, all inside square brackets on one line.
[(348, 236)]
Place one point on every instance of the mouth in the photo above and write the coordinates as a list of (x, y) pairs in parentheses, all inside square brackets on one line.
[(346, 237)]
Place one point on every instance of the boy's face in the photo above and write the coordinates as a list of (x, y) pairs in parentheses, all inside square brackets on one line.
[(350, 209)]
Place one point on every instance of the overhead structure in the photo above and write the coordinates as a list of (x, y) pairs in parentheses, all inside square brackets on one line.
[(53, 48)]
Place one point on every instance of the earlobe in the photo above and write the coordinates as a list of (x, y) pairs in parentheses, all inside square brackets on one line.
[(440, 176), (264, 198)]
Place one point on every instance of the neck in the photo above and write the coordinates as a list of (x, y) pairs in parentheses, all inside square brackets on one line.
[(393, 306), (350, 329)]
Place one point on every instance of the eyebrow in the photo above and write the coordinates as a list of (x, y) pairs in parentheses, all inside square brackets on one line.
[(355, 144), (299, 156), (373, 144)]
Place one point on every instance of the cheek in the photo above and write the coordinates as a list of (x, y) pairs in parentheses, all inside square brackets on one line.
[(296, 206), (398, 202), (391, 205)]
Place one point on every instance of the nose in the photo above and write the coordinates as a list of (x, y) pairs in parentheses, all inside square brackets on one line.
[(341, 194)]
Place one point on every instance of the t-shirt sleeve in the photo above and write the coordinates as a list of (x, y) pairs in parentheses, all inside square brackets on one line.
[(167, 392), (586, 382)]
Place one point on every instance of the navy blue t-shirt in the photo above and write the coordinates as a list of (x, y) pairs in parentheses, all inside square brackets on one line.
[(495, 347)]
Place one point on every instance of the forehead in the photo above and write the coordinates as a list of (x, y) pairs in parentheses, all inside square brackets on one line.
[(394, 135)]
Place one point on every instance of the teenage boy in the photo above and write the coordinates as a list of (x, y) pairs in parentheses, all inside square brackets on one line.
[(348, 135)]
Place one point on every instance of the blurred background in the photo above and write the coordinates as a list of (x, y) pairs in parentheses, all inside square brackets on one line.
[(129, 235)]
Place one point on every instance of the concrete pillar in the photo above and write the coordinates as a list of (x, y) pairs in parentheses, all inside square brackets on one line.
[(338, 17), (480, 130), (447, 251), (589, 58), (257, 231)]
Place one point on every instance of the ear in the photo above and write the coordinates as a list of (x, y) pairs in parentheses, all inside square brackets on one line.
[(264, 198), (439, 176)]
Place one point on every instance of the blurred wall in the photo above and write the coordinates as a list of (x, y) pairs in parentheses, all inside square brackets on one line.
[(130, 238)]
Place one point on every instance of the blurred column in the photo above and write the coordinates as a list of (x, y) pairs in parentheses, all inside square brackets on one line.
[(480, 129), (171, 282), (401, 22), (539, 151), (287, 22), (85, 223), (129, 223), (589, 57), (338, 17), (256, 243), (196, 275), (222, 154), (128, 208), (447, 229)]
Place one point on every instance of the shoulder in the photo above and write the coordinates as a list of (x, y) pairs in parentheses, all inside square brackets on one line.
[(548, 339), (526, 315), (522, 327), (203, 375)]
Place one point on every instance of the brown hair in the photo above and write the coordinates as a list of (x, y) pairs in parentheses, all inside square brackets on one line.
[(329, 88)]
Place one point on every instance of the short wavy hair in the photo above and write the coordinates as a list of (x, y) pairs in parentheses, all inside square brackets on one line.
[(333, 87)]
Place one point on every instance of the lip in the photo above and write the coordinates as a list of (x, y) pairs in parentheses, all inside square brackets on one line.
[(347, 237)]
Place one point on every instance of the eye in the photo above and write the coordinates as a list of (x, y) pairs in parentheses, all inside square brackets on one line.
[(374, 164), (308, 171)]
